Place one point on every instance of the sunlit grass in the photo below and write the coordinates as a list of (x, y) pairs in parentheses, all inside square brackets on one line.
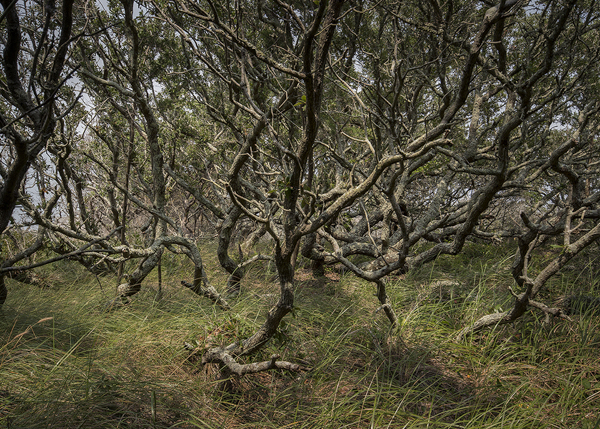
[(66, 364)]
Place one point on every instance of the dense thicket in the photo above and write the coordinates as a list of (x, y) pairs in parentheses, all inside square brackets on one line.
[(373, 135)]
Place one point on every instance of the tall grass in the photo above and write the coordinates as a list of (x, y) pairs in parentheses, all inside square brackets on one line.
[(64, 363)]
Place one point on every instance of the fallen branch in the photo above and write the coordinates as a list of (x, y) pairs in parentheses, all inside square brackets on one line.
[(220, 356), (549, 311), (255, 367), (498, 319), (525, 300), (208, 292), (495, 319)]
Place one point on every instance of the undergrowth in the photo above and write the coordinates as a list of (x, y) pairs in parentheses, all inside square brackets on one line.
[(64, 363)]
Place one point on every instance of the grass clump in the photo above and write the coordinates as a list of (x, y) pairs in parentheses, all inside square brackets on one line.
[(66, 364)]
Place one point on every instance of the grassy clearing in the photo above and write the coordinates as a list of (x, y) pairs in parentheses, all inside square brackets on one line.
[(65, 364)]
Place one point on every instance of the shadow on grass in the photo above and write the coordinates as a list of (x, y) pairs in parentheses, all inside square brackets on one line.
[(360, 375)]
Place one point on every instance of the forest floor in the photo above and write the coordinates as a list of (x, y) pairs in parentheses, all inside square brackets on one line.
[(64, 363)]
